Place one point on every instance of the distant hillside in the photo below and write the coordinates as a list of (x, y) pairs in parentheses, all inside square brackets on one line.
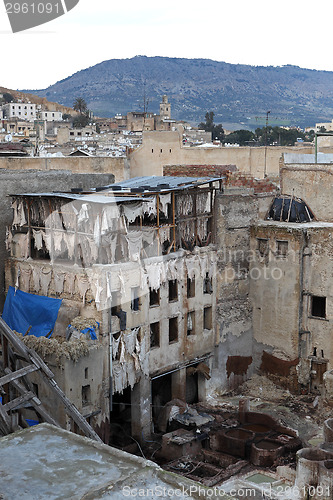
[(236, 93)]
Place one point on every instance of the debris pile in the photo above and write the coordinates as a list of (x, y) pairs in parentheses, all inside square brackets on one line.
[(59, 347), (259, 386), (80, 323)]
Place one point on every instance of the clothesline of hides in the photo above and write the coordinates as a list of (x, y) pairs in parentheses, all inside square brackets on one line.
[(133, 355), (108, 229), (185, 203), (84, 247), (174, 269), (30, 314), (40, 279), (95, 222), (101, 286), (87, 216), (132, 245)]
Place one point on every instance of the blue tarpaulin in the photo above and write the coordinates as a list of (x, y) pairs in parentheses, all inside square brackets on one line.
[(23, 310), (90, 329)]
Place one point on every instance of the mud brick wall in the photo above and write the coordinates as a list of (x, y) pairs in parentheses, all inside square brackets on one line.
[(198, 170), (233, 178)]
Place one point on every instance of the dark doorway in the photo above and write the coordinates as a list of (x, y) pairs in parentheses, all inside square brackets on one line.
[(161, 394), (120, 419)]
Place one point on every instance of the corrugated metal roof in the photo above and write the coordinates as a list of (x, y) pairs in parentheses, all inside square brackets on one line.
[(147, 186), (164, 183), (89, 198)]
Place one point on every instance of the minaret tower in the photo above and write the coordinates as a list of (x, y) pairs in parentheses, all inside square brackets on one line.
[(165, 109)]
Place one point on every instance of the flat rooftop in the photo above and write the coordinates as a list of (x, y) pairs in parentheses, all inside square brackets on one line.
[(44, 462), (296, 225)]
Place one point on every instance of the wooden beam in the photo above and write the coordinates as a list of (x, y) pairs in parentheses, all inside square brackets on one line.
[(48, 377), (174, 219), (5, 424), (14, 340), (18, 374), (35, 403), (73, 412), (15, 403)]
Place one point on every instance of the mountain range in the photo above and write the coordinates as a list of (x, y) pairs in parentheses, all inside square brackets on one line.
[(239, 95)]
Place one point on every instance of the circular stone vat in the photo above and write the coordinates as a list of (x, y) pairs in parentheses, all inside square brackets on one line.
[(310, 467), (238, 433), (328, 430), (234, 441), (257, 428), (328, 447), (265, 453), (268, 445)]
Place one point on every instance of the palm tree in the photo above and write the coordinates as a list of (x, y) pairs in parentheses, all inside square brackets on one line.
[(80, 105)]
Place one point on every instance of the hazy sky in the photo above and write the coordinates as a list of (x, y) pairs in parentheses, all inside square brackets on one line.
[(248, 32)]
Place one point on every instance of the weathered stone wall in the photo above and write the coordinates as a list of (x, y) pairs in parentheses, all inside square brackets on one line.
[(198, 170), (161, 148), (75, 164), (237, 355), (320, 284), (311, 182), (275, 288), (282, 286)]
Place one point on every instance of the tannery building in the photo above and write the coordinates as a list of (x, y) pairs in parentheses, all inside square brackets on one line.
[(139, 259), (186, 289)]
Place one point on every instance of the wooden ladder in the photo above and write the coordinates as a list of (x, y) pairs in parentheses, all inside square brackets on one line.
[(16, 353)]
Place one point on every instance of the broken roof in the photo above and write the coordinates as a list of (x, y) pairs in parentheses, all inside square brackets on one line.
[(163, 183), (93, 197), (136, 188), (290, 209)]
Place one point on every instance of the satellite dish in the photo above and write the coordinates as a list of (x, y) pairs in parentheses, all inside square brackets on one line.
[(8, 138)]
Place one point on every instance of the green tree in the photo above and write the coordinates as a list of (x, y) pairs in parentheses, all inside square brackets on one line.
[(241, 137), (7, 97), (209, 126), (310, 135), (66, 116), (278, 136), (218, 132), (80, 105), (81, 121)]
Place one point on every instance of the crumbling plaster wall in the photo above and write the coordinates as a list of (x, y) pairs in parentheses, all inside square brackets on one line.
[(236, 355), (119, 167), (275, 289), (18, 181), (320, 284), (169, 355), (281, 290), (311, 182), (88, 370)]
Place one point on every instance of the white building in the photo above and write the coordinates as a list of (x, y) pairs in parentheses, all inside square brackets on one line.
[(50, 116), (21, 110)]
